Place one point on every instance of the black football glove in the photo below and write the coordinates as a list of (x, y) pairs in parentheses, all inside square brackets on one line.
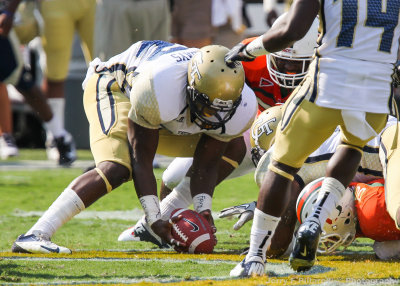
[(236, 54)]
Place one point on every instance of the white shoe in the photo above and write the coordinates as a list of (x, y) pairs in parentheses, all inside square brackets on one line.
[(51, 148), (37, 243), (8, 147), (142, 232), (249, 267)]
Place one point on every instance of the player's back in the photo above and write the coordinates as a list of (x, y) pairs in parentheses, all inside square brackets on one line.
[(146, 55), (365, 30)]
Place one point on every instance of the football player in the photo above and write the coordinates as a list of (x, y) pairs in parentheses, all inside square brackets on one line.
[(61, 21), (154, 97), (336, 91), (272, 78), (373, 166), (12, 69), (360, 213)]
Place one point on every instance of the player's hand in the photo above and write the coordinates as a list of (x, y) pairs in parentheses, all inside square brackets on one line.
[(238, 53), (245, 212), (396, 75), (208, 216), (163, 228)]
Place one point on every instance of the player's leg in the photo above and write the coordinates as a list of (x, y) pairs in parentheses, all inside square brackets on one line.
[(85, 27), (340, 171), (301, 131), (8, 147), (58, 37), (110, 150)]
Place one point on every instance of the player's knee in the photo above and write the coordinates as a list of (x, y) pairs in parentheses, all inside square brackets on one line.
[(283, 170), (113, 174)]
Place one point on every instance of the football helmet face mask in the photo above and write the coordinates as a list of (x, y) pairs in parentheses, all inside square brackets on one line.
[(263, 130), (214, 89), (289, 66), (340, 227)]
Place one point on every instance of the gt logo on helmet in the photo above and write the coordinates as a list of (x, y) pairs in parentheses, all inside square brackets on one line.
[(264, 128), (195, 71)]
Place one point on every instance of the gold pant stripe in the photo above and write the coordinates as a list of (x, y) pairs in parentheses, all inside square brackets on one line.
[(351, 147), (280, 172), (233, 163), (108, 185)]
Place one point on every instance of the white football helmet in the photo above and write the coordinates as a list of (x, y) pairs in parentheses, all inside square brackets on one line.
[(289, 66), (340, 227)]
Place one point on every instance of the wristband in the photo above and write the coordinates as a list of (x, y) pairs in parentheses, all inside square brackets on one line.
[(151, 207), (256, 48), (202, 202)]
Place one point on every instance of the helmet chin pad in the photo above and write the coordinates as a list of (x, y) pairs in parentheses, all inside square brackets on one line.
[(207, 115)]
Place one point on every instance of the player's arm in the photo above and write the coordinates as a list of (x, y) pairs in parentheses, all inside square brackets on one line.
[(204, 173), (7, 17), (293, 27), (144, 142)]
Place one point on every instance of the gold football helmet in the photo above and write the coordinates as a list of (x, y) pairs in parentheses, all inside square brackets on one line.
[(214, 89), (262, 132)]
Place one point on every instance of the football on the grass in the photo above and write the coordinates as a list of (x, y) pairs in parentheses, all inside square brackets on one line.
[(194, 230)]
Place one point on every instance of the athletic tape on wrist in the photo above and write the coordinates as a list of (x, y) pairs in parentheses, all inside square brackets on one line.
[(256, 48), (151, 207), (202, 202)]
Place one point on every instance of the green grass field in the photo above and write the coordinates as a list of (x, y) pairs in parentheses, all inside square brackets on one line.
[(98, 258)]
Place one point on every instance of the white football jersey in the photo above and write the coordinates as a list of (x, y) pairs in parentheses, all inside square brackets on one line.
[(315, 166), (153, 74), (362, 30), (354, 63)]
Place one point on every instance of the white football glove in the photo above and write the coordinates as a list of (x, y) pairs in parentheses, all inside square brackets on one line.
[(245, 212)]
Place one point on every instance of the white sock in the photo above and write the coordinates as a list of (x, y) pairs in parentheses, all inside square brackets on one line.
[(65, 207), (56, 124), (262, 230), (328, 198), (180, 197)]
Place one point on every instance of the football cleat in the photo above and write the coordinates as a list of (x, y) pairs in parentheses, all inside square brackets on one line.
[(305, 246), (8, 147), (37, 243), (51, 147), (141, 231), (66, 148), (249, 267)]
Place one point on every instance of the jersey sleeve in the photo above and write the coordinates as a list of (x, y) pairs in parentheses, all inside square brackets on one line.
[(374, 220), (144, 110)]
